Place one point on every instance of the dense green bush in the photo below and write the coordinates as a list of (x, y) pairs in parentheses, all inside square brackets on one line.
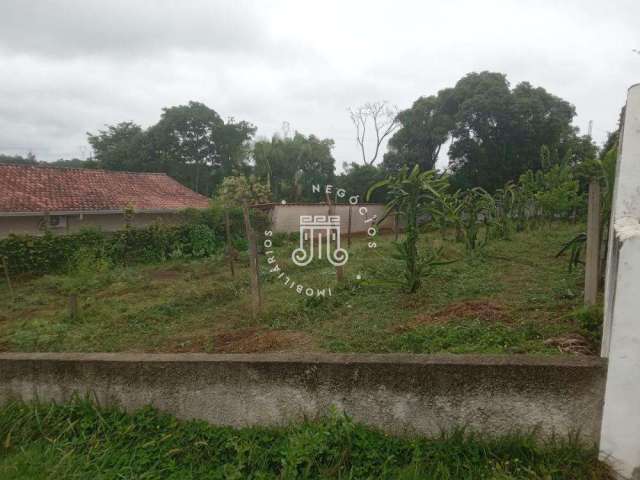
[(201, 234)]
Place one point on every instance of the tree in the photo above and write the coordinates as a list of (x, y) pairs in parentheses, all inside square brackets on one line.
[(291, 165), (247, 191), (30, 159), (374, 122), (424, 128), (191, 143), (121, 147), (186, 136), (499, 132), (412, 195), (357, 179)]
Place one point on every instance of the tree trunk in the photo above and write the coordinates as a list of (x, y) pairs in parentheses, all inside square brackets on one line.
[(230, 251), (256, 298)]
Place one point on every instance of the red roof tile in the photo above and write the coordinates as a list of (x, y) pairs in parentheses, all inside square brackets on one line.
[(29, 189)]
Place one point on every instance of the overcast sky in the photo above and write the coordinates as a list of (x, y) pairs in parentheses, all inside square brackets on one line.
[(68, 67)]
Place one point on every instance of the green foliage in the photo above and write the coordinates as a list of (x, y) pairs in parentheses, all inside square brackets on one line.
[(289, 166), (357, 179), (191, 143), (412, 195), (589, 319), (424, 128), (78, 440), (469, 336), (499, 132), (553, 193), (240, 190), (474, 210), (76, 252), (183, 305), (505, 210), (575, 247)]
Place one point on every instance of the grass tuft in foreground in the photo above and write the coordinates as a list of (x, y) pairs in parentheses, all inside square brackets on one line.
[(79, 441)]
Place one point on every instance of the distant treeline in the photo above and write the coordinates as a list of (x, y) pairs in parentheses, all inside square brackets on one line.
[(495, 134)]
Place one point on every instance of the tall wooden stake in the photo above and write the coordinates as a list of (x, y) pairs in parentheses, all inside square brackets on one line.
[(5, 264), (256, 297), (230, 251), (332, 211), (349, 229), (593, 245)]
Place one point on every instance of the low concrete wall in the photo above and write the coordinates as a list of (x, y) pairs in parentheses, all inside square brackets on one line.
[(286, 218), (396, 392)]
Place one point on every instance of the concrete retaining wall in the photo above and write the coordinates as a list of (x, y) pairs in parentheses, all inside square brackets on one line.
[(398, 393)]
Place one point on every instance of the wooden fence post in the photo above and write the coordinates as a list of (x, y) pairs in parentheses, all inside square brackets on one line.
[(332, 211), (230, 251), (256, 297), (592, 261), (349, 229)]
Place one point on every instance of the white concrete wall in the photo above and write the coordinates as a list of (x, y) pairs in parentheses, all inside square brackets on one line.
[(286, 218), (620, 434)]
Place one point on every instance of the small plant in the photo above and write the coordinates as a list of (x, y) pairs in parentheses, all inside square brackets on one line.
[(472, 212), (412, 195), (504, 211), (575, 247), (589, 319)]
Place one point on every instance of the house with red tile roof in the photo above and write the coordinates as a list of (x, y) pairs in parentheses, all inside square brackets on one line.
[(36, 198)]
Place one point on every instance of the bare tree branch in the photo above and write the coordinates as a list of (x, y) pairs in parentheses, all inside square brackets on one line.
[(383, 117)]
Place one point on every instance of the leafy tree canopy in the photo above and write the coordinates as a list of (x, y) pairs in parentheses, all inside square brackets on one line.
[(190, 142), (291, 165)]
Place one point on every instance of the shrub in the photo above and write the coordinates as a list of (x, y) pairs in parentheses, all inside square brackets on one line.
[(201, 236)]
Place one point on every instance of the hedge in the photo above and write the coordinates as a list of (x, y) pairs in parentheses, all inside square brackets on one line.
[(201, 234)]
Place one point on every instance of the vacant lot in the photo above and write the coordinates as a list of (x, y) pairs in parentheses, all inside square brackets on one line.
[(515, 297), (79, 441)]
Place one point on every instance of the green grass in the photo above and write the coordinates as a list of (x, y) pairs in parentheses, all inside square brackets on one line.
[(511, 299), (79, 441)]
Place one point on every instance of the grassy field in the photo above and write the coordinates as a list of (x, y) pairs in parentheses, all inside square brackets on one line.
[(78, 441), (514, 298)]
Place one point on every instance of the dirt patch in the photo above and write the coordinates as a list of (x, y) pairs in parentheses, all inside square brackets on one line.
[(165, 274), (256, 341), (484, 310), (246, 340), (573, 343)]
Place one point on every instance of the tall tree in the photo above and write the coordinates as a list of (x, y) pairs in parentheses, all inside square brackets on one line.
[(499, 132), (186, 137), (291, 165), (191, 143), (30, 159), (424, 128), (357, 179), (374, 122), (121, 147)]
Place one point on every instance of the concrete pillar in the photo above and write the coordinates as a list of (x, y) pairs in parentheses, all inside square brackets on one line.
[(620, 434)]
